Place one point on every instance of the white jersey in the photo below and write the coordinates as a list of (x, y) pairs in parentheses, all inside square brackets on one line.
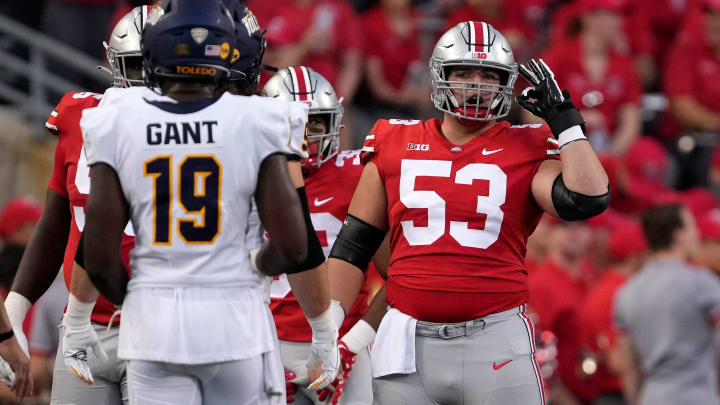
[(189, 173)]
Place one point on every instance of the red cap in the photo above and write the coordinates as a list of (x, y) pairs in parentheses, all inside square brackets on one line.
[(699, 201), (626, 240), (16, 213), (647, 160), (711, 4), (709, 225), (615, 6)]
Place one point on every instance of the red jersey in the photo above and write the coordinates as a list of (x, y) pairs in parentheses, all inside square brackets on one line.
[(598, 330), (459, 215), (555, 299), (329, 191), (618, 87), (71, 179), (692, 69), (288, 21), (397, 51)]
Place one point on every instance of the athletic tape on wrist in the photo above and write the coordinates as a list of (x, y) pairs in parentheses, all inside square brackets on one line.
[(571, 134)]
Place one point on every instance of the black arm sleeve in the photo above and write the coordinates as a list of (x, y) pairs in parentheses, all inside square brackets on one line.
[(315, 255), (572, 206), (357, 242)]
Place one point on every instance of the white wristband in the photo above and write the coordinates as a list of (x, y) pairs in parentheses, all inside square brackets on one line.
[(571, 134), (17, 306), (338, 313), (323, 323), (78, 312), (360, 336)]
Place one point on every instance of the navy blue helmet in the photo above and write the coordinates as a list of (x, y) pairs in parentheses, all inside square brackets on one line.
[(193, 39), (250, 44)]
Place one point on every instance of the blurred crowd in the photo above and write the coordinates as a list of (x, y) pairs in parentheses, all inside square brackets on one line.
[(644, 74)]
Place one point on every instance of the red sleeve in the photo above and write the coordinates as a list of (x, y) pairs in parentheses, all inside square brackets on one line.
[(678, 77), (548, 146), (370, 148), (633, 89), (58, 178)]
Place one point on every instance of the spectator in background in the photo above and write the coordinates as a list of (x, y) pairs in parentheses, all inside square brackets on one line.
[(641, 177), (635, 40), (600, 76), (690, 82), (709, 227), (497, 13), (322, 34), (668, 314), (598, 335), (555, 296), (393, 71), (17, 221)]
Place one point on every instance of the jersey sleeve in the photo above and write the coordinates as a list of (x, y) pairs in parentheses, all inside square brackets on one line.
[(298, 137), (547, 147), (58, 178), (371, 148), (276, 132), (53, 123), (707, 294), (100, 142)]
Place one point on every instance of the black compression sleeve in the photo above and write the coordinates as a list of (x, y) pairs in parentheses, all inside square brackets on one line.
[(357, 242), (572, 206), (315, 255)]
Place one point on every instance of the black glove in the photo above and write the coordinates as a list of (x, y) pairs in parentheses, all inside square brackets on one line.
[(551, 104)]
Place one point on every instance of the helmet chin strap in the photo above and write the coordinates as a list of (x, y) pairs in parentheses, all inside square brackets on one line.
[(461, 112)]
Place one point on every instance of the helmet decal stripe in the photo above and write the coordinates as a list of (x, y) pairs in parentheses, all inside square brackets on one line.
[(480, 31), (293, 76), (308, 87), (471, 29), (299, 78)]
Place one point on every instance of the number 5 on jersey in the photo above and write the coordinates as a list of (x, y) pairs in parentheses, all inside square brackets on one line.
[(198, 193)]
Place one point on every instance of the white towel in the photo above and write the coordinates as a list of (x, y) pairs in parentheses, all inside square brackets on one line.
[(393, 351)]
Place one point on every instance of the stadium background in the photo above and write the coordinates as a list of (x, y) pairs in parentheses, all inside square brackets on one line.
[(644, 73)]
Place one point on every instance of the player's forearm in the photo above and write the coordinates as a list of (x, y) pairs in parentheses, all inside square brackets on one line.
[(44, 254), (581, 169), (311, 290), (345, 282), (690, 113), (350, 74), (81, 287), (107, 274), (377, 309), (628, 130)]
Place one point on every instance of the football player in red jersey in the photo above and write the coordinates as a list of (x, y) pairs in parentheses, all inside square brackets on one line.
[(459, 197), (56, 238), (330, 179)]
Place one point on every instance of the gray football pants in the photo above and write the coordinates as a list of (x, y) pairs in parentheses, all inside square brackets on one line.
[(110, 387), (238, 382), (488, 361)]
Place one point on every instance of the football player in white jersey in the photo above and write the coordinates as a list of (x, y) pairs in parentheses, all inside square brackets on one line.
[(186, 183)]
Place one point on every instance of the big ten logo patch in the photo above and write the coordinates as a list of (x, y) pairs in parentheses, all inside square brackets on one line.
[(418, 146)]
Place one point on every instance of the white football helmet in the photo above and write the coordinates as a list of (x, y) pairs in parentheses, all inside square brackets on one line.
[(123, 51), (301, 83), (472, 43)]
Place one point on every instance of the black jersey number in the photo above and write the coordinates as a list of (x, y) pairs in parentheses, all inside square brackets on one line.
[(198, 194)]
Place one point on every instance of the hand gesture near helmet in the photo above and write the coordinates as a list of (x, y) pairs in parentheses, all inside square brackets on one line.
[(545, 99)]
